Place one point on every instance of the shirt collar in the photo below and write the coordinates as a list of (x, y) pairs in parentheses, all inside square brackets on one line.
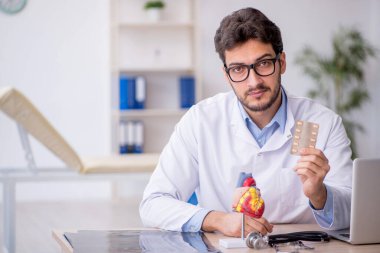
[(279, 117)]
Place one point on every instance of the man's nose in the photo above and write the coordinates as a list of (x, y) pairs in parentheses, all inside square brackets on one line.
[(253, 78)]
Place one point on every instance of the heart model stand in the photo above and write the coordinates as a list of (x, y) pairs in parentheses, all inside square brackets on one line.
[(250, 204)]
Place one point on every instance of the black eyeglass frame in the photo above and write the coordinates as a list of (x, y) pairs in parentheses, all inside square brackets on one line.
[(252, 66)]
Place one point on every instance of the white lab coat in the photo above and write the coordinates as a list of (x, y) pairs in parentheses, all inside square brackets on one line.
[(211, 145)]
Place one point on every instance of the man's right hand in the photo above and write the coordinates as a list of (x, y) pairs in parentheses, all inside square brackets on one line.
[(230, 224)]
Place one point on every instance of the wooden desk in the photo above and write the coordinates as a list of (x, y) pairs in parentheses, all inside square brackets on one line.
[(332, 246)]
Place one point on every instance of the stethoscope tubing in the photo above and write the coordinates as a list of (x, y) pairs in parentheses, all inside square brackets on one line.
[(313, 236)]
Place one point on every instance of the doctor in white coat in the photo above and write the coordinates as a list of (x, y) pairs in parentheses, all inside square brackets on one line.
[(250, 129)]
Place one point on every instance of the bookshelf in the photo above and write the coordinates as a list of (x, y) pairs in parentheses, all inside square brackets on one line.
[(159, 51)]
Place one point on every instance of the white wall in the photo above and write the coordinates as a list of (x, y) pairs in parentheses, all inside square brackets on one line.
[(57, 53)]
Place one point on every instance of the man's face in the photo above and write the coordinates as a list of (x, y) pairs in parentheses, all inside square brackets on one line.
[(256, 93)]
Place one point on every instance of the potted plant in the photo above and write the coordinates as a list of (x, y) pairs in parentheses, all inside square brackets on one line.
[(154, 10), (340, 77)]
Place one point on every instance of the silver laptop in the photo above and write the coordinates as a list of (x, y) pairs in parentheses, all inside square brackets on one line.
[(365, 204)]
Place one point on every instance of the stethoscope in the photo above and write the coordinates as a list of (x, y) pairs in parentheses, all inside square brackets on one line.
[(257, 241)]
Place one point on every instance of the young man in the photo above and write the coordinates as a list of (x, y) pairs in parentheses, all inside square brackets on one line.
[(250, 129)]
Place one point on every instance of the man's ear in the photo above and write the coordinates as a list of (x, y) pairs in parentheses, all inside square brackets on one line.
[(225, 74), (283, 62)]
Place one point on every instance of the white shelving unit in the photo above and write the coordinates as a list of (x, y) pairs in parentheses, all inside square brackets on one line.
[(150, 113), (161, 52), (161, 24)]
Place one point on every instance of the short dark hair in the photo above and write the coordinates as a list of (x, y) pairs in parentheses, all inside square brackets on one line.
[(243, 25)]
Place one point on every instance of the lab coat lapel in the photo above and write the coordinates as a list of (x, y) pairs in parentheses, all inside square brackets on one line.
[(239, 128), (278, 139)]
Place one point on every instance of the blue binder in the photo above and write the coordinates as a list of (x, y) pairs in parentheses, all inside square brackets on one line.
[(187, 91), (127, 90), (132, 92)]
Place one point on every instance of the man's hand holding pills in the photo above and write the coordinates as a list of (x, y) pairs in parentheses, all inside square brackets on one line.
[(312, 168)]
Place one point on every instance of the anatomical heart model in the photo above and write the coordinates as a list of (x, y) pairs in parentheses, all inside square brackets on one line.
[(251, 203)]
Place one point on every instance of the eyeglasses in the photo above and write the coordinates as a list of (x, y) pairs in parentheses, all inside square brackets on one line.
[(240, 73)]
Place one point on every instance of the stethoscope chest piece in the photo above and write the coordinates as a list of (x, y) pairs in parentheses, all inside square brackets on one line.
[(255, 240)]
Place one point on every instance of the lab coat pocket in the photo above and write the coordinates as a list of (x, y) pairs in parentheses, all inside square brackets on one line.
[(291, 188)]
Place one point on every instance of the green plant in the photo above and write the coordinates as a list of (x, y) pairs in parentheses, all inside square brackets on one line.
[(340, 77), (154, 4)]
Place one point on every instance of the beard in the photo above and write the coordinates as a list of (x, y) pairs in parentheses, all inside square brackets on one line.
[(261, 87)]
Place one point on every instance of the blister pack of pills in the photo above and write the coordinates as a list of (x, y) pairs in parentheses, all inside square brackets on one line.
[(305, 136)]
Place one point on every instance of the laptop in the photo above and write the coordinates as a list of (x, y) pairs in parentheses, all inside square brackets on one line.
[(365, 204)]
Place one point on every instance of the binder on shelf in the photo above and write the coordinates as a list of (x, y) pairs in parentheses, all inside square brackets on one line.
[(131, 137), (132, 92), (127, 86), (140, 93), (139, 137), (123, 149), (187, 91)]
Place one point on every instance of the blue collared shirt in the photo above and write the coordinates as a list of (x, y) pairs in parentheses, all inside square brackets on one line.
[(278, 121), (324, 216)]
